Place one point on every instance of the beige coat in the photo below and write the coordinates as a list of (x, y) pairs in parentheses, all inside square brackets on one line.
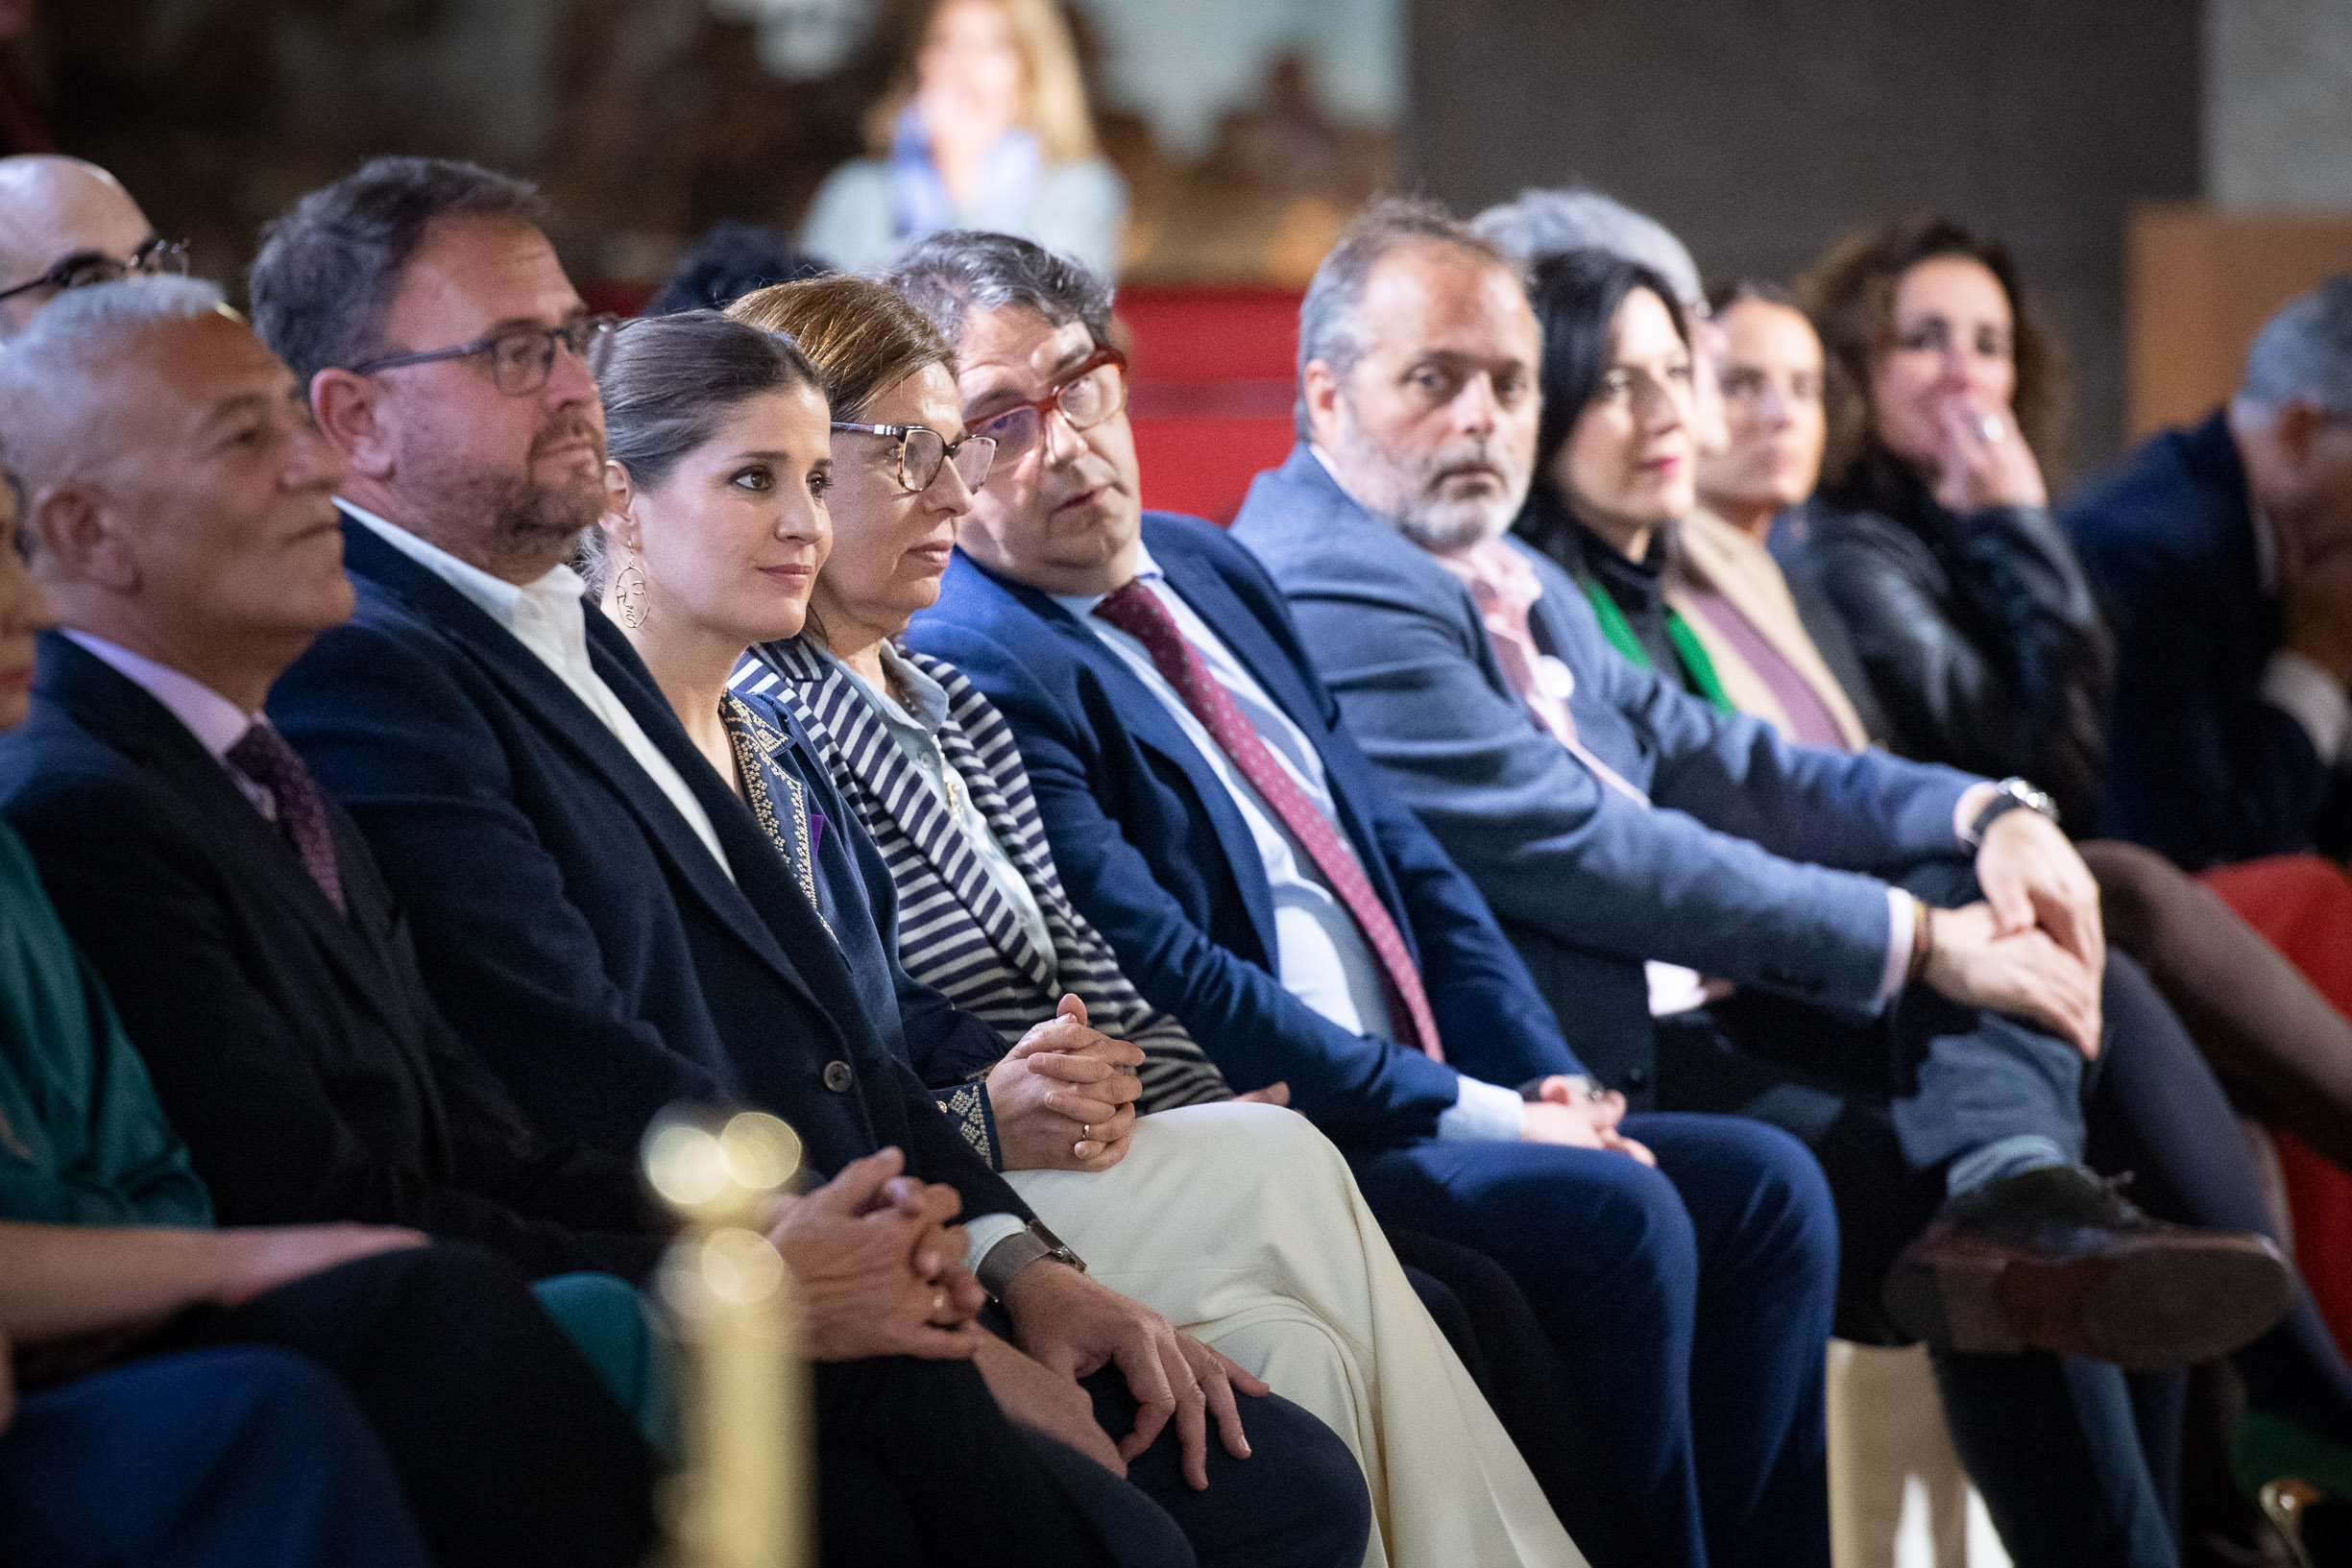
[(1713, 554)]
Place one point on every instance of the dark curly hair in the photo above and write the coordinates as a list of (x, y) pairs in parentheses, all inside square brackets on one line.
[(1850, 295)]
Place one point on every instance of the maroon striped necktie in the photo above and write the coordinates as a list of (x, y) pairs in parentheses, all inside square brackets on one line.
[(1136, 611)]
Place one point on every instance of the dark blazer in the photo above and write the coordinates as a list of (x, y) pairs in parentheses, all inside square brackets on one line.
[(1762, 869), (1156, 856), (295, 1050), (569, 923), (2198, 766), (1980, 634)]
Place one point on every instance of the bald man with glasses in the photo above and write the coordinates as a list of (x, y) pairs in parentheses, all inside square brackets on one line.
[(67, 224)]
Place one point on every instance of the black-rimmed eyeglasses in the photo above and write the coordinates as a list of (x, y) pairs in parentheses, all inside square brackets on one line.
[(84, 269), (1089, 395), (521, 359), (922, 451)]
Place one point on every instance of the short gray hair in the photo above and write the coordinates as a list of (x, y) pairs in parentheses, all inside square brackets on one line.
[(1543, 223), (331, 266), (2305, 352), (949, 275), (43, 423), (1331, 326)]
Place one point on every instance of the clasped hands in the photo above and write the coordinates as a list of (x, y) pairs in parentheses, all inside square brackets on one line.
[(1064, 1098), (2034, 947), (880, 1270)]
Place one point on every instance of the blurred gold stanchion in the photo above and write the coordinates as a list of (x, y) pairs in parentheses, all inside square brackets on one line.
[(742, 1498)]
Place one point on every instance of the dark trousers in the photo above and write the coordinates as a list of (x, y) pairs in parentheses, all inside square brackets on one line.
[(1486, 1318), (2277, 1044), (917, 1465), (1299, 1501), (1690, 1306), (2076, 1461), (509, 1449), (235, 1458)]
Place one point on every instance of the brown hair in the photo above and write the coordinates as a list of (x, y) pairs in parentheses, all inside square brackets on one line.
[(1053, 95), (863, 336), (1850, 295), (668, 383)]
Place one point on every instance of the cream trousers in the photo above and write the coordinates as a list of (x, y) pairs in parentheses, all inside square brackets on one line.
[(1242, 1225)]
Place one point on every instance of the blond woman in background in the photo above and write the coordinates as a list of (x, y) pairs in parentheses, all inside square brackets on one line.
[(984, 127)]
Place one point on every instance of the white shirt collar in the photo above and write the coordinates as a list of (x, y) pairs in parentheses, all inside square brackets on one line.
[(496, 597), (216, 722)]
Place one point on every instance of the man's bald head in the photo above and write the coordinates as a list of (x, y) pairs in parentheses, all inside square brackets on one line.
[(53, 208)]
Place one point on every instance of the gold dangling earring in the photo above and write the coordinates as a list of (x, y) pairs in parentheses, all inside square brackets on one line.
[(629, 593)]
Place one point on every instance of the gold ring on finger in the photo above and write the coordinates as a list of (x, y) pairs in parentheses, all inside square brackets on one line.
[(1085, 1129)]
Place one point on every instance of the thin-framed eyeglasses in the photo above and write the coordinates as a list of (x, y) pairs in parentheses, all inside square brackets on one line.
[(156, 259), (922, 451), (521, 359), (1086, 396)]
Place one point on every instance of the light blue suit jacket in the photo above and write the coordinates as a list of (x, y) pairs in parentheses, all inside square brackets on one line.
[(1761, 863)]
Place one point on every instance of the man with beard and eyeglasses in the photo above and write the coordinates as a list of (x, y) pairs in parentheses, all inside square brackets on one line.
[(606, 925), (1911, 974)]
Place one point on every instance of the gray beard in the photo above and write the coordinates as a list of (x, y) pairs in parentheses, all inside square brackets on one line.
[(1439, 527), (1444, 529)]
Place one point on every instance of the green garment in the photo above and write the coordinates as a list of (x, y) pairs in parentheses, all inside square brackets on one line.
[(83, 1140)]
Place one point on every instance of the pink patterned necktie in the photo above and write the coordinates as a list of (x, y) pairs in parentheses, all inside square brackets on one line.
[(1136, 611), (261, 753), (1504, 588)]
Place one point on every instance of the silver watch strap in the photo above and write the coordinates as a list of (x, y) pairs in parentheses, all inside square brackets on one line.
[(1017, 1252)]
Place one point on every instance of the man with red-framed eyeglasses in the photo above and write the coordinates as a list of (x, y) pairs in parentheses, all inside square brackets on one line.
[(1210, 815), (67, 224)]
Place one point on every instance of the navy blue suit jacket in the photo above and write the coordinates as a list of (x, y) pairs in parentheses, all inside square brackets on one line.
[(292, 1046), (1753, 869), (2198, 766), (572, 928), (1152, 849)]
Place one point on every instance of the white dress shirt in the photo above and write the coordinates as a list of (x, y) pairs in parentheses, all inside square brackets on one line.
[(1320, 955), (547, 618), (216, 722)]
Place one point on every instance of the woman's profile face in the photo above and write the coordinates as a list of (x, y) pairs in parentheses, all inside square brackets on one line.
[(890, 544), (969, 73), (1626, 465), (1953, 347), (1771, 376), (731, 541)]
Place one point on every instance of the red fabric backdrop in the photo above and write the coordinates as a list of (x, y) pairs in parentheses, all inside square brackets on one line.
[(1212, 372), (2303, 907)]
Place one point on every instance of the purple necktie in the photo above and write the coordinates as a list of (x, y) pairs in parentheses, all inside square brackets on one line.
[(261, 753), (1136, 611)]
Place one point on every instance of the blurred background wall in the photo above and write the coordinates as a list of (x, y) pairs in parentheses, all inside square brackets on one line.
[(2167, 170)]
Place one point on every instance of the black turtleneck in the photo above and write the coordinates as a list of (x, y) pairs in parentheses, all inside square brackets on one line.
[(1636, 588)]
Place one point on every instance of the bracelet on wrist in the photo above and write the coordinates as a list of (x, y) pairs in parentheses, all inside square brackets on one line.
[(1922, 941)]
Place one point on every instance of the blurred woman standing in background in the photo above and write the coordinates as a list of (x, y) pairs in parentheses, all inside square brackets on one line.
[(986, 127)]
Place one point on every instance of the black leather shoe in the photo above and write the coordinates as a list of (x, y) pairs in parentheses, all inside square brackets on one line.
[(2056, 1259)]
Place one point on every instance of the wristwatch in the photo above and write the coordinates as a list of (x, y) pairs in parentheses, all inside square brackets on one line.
[(1017, 1252), (2011, 794)]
